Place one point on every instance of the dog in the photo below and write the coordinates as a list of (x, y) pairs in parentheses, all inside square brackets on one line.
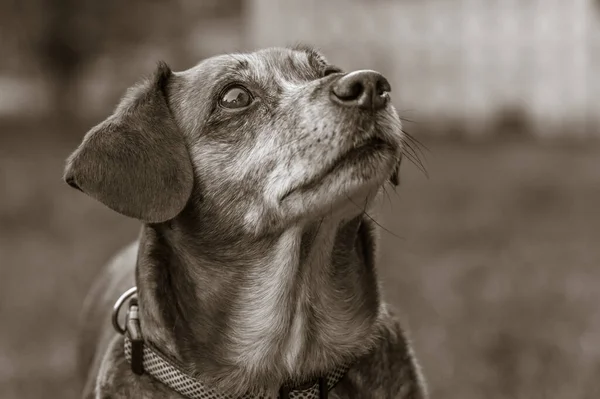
[(255, 266)]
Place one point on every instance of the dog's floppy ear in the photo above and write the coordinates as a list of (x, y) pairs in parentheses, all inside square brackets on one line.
[(136, 161), (395, 178)]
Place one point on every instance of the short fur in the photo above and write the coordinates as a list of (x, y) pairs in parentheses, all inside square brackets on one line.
[(255, 265)]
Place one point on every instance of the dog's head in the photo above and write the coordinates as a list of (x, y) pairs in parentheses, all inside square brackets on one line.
[(258, 141)]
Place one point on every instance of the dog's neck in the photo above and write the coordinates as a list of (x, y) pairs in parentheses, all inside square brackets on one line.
[(247, 314)]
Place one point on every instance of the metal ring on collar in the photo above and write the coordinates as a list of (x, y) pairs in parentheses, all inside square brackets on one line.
[(115, 312)]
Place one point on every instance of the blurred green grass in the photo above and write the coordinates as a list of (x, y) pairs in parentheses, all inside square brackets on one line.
[(495, 269)]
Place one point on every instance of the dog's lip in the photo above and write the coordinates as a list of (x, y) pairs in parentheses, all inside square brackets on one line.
[(371, 144)]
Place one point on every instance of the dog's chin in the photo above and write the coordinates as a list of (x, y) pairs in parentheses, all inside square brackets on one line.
[(347, 185)]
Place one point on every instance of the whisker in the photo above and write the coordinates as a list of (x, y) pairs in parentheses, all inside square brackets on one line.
[(416, 141), (413, 151), (394, 189), (387, 195), (415, 160), (364, 212)]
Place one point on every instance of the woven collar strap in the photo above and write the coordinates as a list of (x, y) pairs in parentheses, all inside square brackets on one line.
[(145, 359), (164, 371)]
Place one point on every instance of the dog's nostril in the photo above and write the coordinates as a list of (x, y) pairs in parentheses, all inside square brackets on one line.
[(351, 92), (362, 89), (383, 86)]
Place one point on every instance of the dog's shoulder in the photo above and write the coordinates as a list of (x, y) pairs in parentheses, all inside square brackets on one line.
[(388, 371), (95, 330)]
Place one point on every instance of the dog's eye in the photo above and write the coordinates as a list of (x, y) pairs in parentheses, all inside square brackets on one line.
[(331, 70), (235, 97)]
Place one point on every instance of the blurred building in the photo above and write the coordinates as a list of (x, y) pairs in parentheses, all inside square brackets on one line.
[(466, 62), (468, 66)]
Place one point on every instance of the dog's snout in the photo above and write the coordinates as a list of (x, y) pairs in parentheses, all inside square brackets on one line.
[(362, 89)]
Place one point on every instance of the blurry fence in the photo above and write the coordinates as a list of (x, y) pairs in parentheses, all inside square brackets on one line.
[(472, 63), (456, 66), (75, 58)]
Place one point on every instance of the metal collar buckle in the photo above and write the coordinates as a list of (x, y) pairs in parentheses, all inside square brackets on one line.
[(132, 328)]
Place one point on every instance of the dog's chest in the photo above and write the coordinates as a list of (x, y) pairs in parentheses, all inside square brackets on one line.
[(271, 320)]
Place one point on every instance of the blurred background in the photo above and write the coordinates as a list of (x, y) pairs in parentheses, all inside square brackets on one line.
[(492, 256)]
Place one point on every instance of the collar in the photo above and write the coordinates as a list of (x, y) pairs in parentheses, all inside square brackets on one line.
[(144, 358)]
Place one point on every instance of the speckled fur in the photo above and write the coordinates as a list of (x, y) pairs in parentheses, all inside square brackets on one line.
[(249, 272)]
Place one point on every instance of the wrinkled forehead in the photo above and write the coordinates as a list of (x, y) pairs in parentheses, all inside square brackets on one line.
[(265, 66)]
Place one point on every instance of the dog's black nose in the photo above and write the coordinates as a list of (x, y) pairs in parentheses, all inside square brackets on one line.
[(362, 89)]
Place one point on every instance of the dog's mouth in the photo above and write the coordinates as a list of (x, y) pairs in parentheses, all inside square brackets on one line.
[(353, 156)]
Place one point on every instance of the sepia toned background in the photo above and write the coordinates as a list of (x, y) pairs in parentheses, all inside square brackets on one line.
[(491, 247)]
